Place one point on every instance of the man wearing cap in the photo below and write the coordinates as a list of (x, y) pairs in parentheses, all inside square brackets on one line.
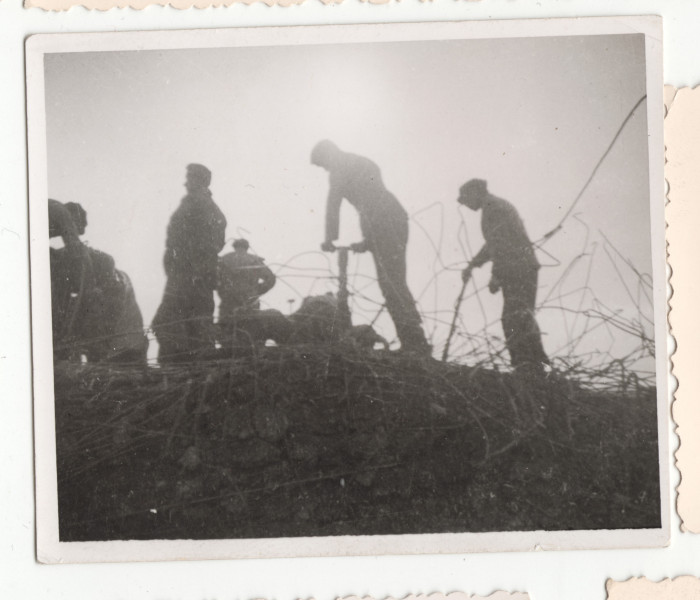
[(514, 270), (195, 236), (384, 225), (243, 278)]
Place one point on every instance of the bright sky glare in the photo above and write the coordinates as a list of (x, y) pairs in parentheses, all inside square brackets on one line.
[(530, 115)]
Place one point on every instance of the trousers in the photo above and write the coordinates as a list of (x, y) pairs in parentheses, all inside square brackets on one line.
[(523, 336), (183, 324), (388, 247)]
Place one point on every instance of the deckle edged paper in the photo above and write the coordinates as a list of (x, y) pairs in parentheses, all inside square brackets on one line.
[(685, 587), (103, 5), (334, 415), (61, 5), (682, 139), (498, 595)]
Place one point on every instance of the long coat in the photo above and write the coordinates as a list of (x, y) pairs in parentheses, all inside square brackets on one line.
[(195, 236)]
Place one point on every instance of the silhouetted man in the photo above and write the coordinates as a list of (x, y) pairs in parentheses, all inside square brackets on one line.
[(195, 236), (384, 225), (111, 325), (514, 270), (243, 278), (102, 263), (62, 224), (71, 279)]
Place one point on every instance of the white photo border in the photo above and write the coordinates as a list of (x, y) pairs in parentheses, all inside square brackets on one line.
[(51, 550)]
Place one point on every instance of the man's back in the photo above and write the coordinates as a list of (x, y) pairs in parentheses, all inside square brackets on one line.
[(359, 181), (503, 229), (243, 277), (241, 269)]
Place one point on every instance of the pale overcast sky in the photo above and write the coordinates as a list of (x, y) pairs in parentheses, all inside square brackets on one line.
[(530, 115)]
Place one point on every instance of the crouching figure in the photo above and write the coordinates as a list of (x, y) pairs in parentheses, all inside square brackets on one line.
[(94, 309), (242, 279), (324, 319)]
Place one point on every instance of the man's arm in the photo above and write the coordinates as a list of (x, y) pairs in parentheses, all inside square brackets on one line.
[(266, 280), (171, 243), (335, 198), (221, 275), (61, 224), (482, 257), (219, 239)]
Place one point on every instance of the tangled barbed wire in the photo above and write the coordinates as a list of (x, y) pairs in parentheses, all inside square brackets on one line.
[(599, 339), (597, 342), (601, 342)]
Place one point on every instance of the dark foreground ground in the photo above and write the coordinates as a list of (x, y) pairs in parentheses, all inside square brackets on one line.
[(324, 442)]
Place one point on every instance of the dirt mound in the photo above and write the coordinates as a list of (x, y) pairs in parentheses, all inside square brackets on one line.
[(327, 441)]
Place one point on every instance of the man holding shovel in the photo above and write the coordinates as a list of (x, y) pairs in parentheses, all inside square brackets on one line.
[(384, 225), (514, 271)]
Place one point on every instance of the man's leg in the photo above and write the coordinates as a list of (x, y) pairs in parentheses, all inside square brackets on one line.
[(389, 253), (129, 343), (539, 407), (169, 324), (519, 291), (199, 318), (523, 336)]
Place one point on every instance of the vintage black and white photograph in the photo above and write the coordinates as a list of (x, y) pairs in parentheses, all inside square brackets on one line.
[(336, 290)]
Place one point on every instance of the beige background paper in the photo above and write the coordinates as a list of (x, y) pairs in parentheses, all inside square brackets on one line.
[(640, 588), (682, 139)]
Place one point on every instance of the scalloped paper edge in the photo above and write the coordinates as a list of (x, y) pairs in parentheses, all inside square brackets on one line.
[(685, 587), (104, 5), (682, 140), (497, 595)]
